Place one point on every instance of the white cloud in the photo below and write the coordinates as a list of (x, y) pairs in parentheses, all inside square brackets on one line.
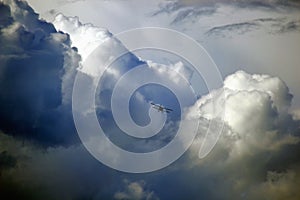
[(173, 71), (256, 111), (253, 158), (135, 191), (85, 37), (97, 44), (258, 129)]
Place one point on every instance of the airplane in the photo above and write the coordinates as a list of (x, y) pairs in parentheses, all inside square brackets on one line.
[(160, 108)]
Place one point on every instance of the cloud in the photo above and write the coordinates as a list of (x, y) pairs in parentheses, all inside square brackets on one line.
[(191, 13), (245, 3), (38, 66), (270, 25), (183, 12), (239, 28), (167, 7), (135, 191), (105, 48), (71, 172), (290, 26), (258, 129), (6, 161), (184, 9), (213, 16), (63, 172), (257, 156), (279, 185), (172, 70), (51, 173), (265, 97), (85, 37)]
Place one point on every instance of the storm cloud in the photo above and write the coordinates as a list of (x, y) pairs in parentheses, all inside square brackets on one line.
[(37, 69)]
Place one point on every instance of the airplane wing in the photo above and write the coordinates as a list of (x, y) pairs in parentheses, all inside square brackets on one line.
[(154, 105), (168, 109)]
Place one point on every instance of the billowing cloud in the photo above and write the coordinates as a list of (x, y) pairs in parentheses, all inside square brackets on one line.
[(38, 66), (256, 106), (259, 134), (256, 157), (265, 155), (105, 48), (85, 37)]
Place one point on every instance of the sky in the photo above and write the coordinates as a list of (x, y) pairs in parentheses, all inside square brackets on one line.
[(234, 129)]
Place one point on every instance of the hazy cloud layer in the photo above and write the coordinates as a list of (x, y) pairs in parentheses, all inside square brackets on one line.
[(183, 12), (270, 25), (245, 3), (193, 10)]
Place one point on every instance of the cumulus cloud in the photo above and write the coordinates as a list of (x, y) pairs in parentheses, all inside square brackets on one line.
[(98, 48), (256, 106), (105, 48), (38, 66), (257, 156), (259, 152), (85, 37), (259, 133)]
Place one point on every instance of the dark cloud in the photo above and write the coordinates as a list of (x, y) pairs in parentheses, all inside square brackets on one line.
[(6, 161), (192, 9), (184, 12), (270, 25), (135, 191), (239, 28), (193, 14), (168, 7), (35, 69), (273, 4), (290, 26)]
